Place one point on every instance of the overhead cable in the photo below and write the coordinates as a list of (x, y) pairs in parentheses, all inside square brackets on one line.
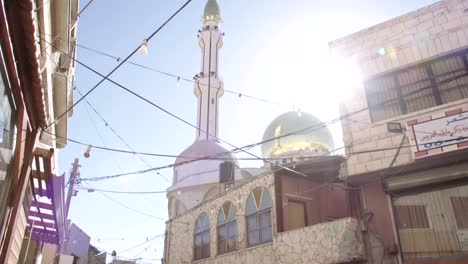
[(106, 123), (175, 76), (119, 65)]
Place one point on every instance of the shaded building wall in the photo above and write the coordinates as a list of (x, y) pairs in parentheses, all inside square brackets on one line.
[(49, 253), (381, 238), (18, 236), (77, 244), (95, 256)]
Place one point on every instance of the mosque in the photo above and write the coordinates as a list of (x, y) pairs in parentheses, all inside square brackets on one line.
[(220, 212), (197, 172), (395, 198)]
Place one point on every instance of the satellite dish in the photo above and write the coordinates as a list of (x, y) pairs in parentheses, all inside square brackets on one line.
[(246, 174)]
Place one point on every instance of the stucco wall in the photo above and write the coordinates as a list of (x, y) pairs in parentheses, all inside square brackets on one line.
[(417, 36), (332, 242)]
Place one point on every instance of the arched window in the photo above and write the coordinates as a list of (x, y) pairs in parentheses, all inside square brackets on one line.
[(227, 228), (202, 237), (258, 213)]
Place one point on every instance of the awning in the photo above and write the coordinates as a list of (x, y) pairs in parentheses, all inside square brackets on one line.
[(46, 218)]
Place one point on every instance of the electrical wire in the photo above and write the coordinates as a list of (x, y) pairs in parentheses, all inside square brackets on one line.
[(139, 245), (118, 66), (208, 157), (145, 250), (401, 146), (175, 76), (127, 207), (106, 123), (168, 112), (99, 239), (85, 7), (102, 140), (188, 123), (121, 192)]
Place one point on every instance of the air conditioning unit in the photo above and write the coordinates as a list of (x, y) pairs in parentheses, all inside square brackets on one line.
[(64, 259), (64, 63), (226, 172)]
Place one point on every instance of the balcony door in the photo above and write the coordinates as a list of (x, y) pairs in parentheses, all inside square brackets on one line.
[(296, 215)]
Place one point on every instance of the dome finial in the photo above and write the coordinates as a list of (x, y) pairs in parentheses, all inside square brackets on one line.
[(212, 12)]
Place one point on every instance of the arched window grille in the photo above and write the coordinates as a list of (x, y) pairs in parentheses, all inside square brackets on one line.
[(258, 214), (202, 237), (227, 228)]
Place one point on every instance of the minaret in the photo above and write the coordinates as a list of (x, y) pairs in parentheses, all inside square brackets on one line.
[(208, 88), (195, 178)]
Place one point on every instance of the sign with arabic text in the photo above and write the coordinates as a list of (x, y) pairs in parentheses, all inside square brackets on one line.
[(463, 239), (430, 136)]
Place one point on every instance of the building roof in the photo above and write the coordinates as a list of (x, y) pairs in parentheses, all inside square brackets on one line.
[(205, 148), (198, 150), (26, 47)]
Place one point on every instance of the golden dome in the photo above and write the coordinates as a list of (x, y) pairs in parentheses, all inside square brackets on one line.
[(212, 11), (314, 141)]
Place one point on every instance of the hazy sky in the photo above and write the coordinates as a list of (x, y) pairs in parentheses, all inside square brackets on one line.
[(275, 50)]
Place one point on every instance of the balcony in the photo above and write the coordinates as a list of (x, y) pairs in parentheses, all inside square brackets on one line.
[(338, 241), (316, 215)]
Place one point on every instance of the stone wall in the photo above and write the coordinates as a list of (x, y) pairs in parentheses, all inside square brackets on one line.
[(426, 33), (181, 228), (339, 241)]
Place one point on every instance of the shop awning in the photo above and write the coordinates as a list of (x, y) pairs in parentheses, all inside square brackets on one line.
[(46, 219)]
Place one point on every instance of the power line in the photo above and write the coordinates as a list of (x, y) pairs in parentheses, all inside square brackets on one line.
[(85, 7), (175, 76), (102, 140), (105, 148), (208, 157), (116, 134), (145, 250), (166, 111), (119, 65), (188, 123), (121, 192), (99, 239), (127, 207), (181, 119), (139, 245)]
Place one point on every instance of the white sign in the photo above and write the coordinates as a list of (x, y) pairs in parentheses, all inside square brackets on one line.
[(441, 132), (463, 239)]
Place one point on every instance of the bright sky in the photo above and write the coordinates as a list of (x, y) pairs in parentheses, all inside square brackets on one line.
[(273, 49)]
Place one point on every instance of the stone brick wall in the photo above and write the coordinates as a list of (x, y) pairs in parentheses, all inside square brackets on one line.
[(181, 228), (435, 30), (339, 241)]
